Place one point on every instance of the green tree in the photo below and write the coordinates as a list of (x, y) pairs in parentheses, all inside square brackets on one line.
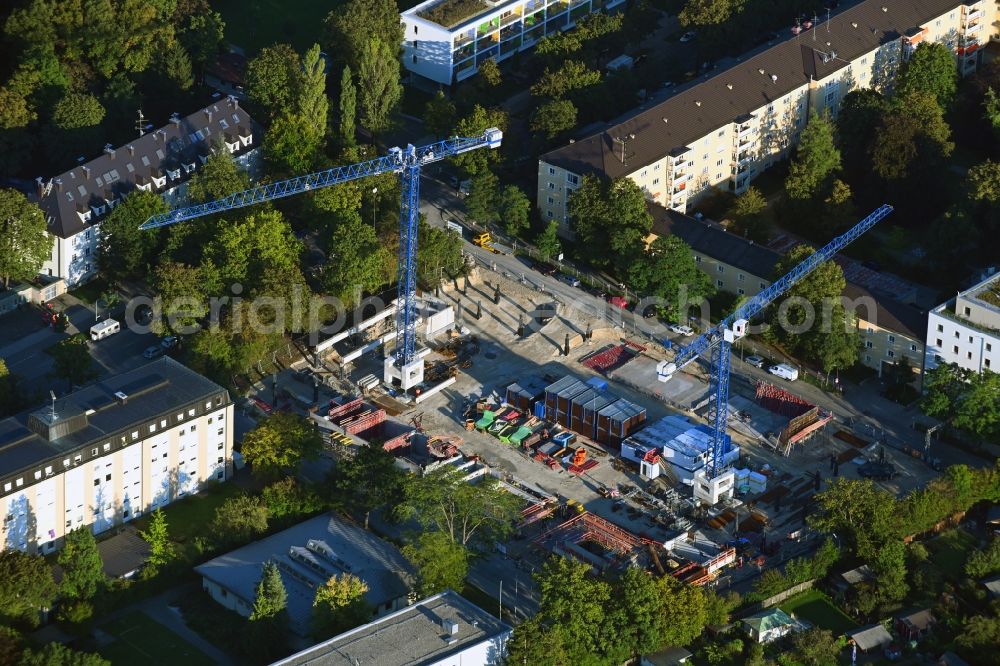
[(658, 612), (816, 159), (218, 178), (183, 292), (15, 109), (125, 250), (82, 569), (811, 318), (438, 251), (478, 121), (71, 360), (548, 241), (991, 110), (965, 399), (913, 134), (378, 67), (292, 145), (573, 605), (978, 639), (668, 271), (572, 76), (161, 549), (365, 482), (464, 512), (489, 73), (859, 512), (439, 115), (177, 67), (24, 243), (514, 208), (532, 642), (311, 102), (482, 204), (553, 118), (239, 519), (270, 598), (701, 13), (26, 587), (815, 647), (201, 34), (76, 110), (272, 78), (985, 562), (357, 260), (930, 69), (339, 605), (348, 107), (610, 219), (11, 647), (280, 443), (57, 654), (748, 213), (858, 120), (983, 181), (441, 563), (13, 395), (351, 25), (287, 498)]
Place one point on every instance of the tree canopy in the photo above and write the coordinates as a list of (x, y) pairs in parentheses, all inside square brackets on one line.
[(968, 400), (478, 121), (310, 101), (82, 569), (26, 587), (71, 360), (272, 78), (441, 563), (668, 271), (610, 219), (351, 25), (24, 244), (930, 69), (339, 605), (554, 117), (378, 67), (125, 250), (279, 443), (239, 519), (816, 159), (365, 482)]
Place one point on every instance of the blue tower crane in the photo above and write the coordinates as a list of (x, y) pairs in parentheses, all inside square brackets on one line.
[(407, 163), (719, 339)]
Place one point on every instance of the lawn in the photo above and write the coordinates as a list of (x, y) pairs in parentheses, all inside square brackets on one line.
[(950, 550), (258, 23), (140, 639), (90, 291), (191, 516), (815, 607)]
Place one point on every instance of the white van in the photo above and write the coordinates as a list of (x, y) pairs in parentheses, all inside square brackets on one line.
[(784, 371), (105, 328)]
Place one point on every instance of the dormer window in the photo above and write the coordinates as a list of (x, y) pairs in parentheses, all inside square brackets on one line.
[(175, 174), (189, 167)]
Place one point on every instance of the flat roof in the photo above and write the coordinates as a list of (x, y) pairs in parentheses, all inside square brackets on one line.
[(308, 554), (96, 413), (412, 636), (733, 93)]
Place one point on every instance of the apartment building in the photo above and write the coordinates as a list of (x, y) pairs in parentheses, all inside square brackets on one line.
[(446, 41), (890, 328), (75, 202), (966, 329), (110, 452), (724, 131)]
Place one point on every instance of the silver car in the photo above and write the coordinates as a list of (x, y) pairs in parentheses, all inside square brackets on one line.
[(755, 361)]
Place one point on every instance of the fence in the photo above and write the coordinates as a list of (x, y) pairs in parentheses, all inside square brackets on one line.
[(777, 598)]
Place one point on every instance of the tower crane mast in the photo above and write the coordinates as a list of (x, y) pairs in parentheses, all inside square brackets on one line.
[(718, 340), (407, 162)]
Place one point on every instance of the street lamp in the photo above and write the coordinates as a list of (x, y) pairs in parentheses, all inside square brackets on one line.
[(374, 206)]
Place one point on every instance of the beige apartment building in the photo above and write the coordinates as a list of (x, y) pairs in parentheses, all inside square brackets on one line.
[(110, 452), (890, 329), (724, 131)]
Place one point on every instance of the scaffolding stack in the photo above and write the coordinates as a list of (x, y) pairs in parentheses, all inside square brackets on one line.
[(610, 359), (780, 401)]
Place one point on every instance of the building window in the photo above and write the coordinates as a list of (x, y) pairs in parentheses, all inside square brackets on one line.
[(93, 452), (220, 431), (718, 163), (954, 349), (697, 259), (656, 181), (986, 362), (180, 416), (721, 269), (548, 214), (552, 171), (190, 412), (552, 186), (913, 348), (939, 342), (868, 344), (740, 292), (940, 328), (892, 338), (414, 58), (152, 427), (572, 179), (163, 423), (194, 426), (740, 277), (718, 283), (890, 354), (989, 347), (970, 339)]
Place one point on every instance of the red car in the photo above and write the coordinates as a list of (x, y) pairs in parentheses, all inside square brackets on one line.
[(618, 301), (262, 406)]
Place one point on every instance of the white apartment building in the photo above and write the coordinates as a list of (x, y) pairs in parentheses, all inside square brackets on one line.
[(444, 44), (723, 132), (75, 202), (110, 452), (966, 329)]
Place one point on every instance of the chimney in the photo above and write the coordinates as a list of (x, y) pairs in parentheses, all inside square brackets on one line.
[(110, 150), (59, 184), (163, 134), (233, 102), (86, 172), (208, 114), (40, 189), (121, 397), (175, 118), (131, 149)]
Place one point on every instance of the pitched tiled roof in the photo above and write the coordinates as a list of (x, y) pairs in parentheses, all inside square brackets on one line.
[(891, 314), (742, 89), (116, 172)]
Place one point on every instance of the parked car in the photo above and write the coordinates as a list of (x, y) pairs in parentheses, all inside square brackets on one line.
[(545, 268), (681, 329), (755, 361), (169, 342), (571, 280), (876, 470), (784, 371), (152, 352), (688, 36), (618, 301)]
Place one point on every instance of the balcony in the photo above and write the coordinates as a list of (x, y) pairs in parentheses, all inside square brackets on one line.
[(534, 34), (510, 46), (488, 27), (510, 31), (507, 19), (969, 29), (463, 53), (558, 7), (973, 15)]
